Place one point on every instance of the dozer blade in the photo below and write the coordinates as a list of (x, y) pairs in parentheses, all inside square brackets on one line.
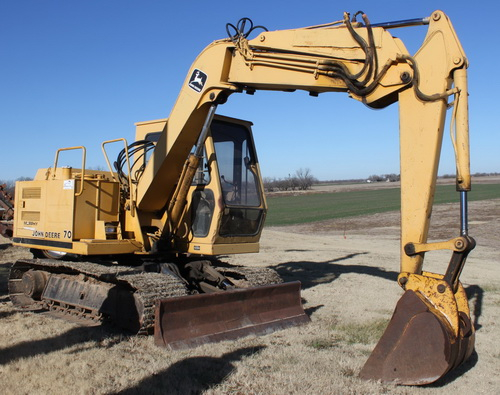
[(418, 347), (189, 321)]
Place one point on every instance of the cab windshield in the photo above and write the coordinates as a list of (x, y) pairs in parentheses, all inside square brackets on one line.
[(236, 162)]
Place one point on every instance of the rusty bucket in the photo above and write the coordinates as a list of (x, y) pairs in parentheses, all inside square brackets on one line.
[(419, 346)]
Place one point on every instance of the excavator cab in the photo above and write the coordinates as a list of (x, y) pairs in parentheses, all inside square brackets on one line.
[(226, 206)]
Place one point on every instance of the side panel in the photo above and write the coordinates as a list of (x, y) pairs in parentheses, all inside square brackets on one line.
[(44, 213), (98, 202), (49, 216)]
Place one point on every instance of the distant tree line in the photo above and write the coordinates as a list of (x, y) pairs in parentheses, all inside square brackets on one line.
[(302, 180), (478, 174), (385, 177), (396, 177)]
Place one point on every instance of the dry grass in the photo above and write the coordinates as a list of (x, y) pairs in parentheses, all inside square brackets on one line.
[(363, 333), (348, 291)]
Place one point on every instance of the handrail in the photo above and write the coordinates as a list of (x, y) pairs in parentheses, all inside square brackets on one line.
[(84, 153)]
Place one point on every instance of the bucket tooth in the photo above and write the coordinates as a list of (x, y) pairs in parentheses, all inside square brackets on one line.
[(189, 321)]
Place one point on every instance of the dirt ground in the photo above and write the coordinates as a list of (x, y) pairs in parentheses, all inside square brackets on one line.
[(347, 268)]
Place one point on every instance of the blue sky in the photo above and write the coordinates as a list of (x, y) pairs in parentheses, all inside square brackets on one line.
[(81, 72)]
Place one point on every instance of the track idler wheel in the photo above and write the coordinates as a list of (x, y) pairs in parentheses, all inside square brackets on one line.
[(422, 343), (33, 283)]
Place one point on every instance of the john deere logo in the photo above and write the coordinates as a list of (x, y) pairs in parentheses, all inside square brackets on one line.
[(197, 80)]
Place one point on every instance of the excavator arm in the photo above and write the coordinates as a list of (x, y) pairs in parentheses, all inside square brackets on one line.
[(431, 322)]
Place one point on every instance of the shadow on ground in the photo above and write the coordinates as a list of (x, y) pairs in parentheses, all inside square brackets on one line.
[(311, 273), (475, 295), (457, 372), (5, 314), (67, 339), (192, 375)]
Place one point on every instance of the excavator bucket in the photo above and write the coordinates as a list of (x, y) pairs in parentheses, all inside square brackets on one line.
[(189, 321), (419, 346)]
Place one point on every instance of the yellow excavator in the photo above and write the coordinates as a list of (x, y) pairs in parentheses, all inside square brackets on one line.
[(138, 244)]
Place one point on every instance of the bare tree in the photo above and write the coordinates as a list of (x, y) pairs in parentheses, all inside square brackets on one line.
[(304, 178)]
